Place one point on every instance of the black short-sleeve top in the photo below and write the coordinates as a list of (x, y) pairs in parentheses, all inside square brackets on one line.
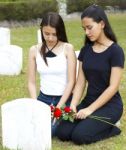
[(97, 69)]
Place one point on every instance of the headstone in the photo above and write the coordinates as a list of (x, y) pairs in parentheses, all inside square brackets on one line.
[(10, 60), (4, 36), (26, 125), (77, 53)]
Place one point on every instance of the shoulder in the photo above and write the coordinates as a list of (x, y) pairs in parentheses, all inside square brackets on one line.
[(69, 45), (117, 56), (68, 49), (33, 49), (116, 49), (85, 48), (83, 51), (116, 46)]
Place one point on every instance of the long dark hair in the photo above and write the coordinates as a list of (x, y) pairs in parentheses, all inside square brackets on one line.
[(97, 14), (54, 20)]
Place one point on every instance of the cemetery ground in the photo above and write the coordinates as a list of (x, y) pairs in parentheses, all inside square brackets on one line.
[(13, 87)]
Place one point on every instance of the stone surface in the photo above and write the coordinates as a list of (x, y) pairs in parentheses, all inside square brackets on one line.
[(10, 60), (4, 36), (26, 125)]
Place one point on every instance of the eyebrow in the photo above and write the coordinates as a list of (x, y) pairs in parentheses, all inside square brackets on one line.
[(87, 26), (49, 32)]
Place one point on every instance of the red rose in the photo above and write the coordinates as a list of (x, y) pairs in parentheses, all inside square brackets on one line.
[(57, 112), (67, 109), (52, 108)]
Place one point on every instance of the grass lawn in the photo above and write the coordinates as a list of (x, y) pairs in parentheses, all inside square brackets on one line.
[(12, 87)]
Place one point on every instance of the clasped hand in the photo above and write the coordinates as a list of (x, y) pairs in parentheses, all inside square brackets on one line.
[(82, 113)]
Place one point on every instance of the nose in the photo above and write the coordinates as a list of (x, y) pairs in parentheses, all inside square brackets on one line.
[(86, 31), (50, 37)]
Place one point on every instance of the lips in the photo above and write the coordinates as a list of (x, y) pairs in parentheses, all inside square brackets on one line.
[(89, 37), (92, 38)]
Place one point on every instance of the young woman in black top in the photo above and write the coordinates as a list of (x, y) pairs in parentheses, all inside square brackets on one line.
[(101, 63)]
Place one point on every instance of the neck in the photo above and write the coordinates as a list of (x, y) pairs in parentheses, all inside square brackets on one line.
[(52, 46), (100, 43), (104, 42)]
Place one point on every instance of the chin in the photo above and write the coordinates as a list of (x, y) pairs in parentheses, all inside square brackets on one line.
[(92, 40)]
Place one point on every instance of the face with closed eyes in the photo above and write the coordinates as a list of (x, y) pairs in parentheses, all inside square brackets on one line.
[(93, 30), (49, 34)]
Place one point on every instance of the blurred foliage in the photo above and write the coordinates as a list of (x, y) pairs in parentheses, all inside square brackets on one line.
[(25, 10), (77, 5), (5, 1), (80, 5), (32, 9)]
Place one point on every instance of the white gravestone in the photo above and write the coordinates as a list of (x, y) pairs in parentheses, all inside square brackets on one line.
[(4, 36), (26, 125), (10, 60)]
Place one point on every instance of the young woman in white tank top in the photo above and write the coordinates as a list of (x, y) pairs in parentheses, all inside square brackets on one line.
[(55, 61)]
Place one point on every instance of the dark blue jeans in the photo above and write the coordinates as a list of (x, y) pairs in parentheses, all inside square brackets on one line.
[(52, 99)]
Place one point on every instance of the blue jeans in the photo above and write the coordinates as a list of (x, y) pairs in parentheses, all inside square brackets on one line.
[(52, 99)]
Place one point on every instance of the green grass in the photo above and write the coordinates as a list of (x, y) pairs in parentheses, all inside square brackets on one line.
[(12, 87)]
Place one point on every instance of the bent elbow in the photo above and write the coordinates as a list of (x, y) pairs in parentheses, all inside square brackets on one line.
[(114, 88)]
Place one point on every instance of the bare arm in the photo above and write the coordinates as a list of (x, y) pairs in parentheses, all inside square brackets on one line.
[(79, 87), (32, 73), (116, 74), (115, 78), (71, 59)]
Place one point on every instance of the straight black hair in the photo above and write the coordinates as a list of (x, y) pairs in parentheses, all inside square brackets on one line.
[(54, 20), (97, 14)]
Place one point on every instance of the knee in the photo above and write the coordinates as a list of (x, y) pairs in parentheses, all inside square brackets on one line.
[(80, 138), (62, 135)]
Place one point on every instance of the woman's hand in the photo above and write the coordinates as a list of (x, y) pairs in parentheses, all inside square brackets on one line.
[(59, 106), (73, 107), (83, 113)]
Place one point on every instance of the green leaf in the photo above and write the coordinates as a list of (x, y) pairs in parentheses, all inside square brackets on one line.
[(65, 117), (102, 120), (71, 119), (63, 106)]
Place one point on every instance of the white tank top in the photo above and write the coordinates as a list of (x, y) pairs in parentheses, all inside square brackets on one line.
[(53, 78)]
